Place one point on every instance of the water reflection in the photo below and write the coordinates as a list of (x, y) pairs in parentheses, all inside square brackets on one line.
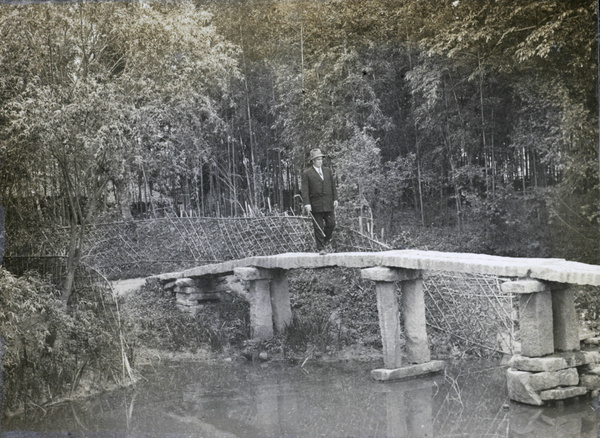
[(222, 399)]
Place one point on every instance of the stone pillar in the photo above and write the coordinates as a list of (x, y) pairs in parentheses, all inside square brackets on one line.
[(280, 300), (389, 324), (566, 323), (387, 306), (535, 316), (259, 290), (415, 331)]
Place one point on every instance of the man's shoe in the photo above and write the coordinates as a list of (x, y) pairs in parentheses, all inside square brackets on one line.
[(322, 252)]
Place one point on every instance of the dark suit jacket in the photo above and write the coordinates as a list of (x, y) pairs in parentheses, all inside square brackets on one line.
[(320, 193)]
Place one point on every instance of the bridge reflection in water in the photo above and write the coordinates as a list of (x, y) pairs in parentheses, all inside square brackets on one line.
[(231, 399)]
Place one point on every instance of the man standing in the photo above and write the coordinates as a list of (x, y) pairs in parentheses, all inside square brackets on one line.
[(320, 198)]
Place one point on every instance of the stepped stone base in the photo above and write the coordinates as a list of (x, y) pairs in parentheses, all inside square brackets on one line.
[(197, 297), (191, 294), (536, 380), (408, 371), (192, 309)]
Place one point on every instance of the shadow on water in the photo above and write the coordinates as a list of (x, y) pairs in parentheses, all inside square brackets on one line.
[(225, 399)]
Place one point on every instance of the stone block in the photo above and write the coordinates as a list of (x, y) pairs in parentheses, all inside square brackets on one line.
[(524, 287), (389, 324), (566, 323), (415, 330), (538, 364), (251, 273), (382, 273), (555, 362), (169, 285), (192, 310), (409, 371), (280, 301), (185, 302), (261, 312), (563, 393), (185, 290), (519, 388), (227, 283), (591, 357), (585, 333), (198, 296), (590, 381), (185, 282), (231, 283), (593, 369), (552, 379), (536, 324), (579, 358)]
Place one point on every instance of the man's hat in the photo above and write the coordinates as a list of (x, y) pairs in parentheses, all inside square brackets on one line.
[(315, 153)]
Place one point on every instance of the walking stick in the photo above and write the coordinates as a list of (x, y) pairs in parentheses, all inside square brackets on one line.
[(311, 215)]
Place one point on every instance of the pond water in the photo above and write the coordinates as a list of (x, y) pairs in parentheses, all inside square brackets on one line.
[(232, 399)]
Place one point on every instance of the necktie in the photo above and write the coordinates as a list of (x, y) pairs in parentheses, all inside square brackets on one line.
[(320, 173)]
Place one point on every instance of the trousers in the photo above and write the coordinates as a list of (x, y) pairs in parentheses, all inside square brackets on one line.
[(324, 224)]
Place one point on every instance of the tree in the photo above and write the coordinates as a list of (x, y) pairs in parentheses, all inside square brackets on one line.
[(80, 122), (459, 105)]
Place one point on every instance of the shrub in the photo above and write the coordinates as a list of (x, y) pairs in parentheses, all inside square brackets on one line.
[(587, 303), (315, 330), (336, 298), (153, 321), (49, 348)]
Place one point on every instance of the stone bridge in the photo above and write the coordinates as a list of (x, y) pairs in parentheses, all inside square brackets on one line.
[(550, 366)]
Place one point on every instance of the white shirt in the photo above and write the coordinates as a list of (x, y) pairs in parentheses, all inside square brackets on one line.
[(319, 171)]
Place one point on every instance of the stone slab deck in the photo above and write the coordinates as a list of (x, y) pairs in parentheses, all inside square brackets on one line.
[(555, 270)]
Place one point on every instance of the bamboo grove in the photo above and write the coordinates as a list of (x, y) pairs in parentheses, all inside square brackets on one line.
[(476, 115)]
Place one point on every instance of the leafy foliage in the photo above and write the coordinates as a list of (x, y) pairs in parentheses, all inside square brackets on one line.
[(338, 307), (49, 350), (154, 322), (210, 108)]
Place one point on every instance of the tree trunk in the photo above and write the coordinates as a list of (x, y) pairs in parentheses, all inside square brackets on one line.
[(420, 193), (483, 136), (73, 260), (598, 100), (252, 168), (124, 199), (280, 181)]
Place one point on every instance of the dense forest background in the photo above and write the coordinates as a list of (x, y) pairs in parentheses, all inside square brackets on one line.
[(477, 117)]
